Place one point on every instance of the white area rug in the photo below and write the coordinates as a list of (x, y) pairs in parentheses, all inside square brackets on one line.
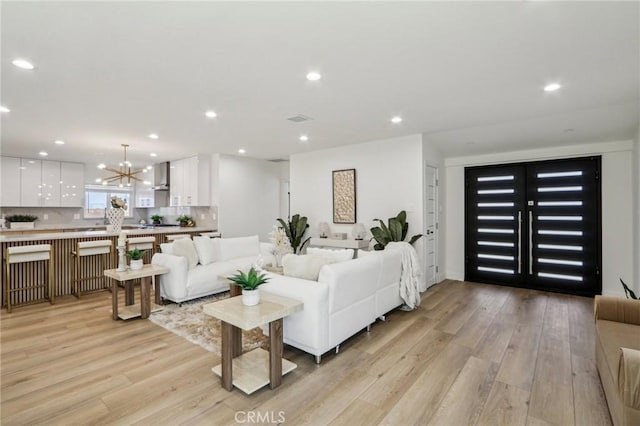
[(190, 322)]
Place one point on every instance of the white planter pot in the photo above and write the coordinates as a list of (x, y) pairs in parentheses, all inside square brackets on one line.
[(250, 297), (116, 218), (22, 225), (136, 264)]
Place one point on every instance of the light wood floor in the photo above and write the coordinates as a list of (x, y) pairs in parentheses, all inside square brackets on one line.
[(471, 354)]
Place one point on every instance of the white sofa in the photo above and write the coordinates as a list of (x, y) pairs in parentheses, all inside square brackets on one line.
[(189, 278), (348, 297)]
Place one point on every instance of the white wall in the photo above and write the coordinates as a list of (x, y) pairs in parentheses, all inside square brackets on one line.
[(389, 177), (248, 196), (636, 214), (617, 196)]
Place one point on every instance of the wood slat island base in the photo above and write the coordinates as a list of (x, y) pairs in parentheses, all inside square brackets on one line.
[(63, 243)]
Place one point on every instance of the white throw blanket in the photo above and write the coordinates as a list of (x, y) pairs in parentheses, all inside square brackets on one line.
[(410, 275)]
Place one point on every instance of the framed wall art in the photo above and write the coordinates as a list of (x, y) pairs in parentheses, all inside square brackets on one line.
[(344, 196)]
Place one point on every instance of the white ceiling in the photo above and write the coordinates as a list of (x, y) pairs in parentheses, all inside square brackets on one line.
[(467, 74)]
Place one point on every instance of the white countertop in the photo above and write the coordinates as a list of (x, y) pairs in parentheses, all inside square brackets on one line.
[(85, 234)]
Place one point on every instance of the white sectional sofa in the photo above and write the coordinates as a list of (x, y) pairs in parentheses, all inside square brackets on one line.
[(197, 267), (348, 297)]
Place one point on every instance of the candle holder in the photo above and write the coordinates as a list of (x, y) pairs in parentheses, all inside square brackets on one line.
[(122, 261)]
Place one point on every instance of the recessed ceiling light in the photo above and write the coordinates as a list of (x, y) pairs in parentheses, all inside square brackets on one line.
[(43, 153), (98, 180), (242, 151), (153, 136), (396, 120), (210, 114), (146, 182), (153, 154), (102, 166), (4, 109), (552, 87), (313, 76), (21, 63), (304, 138), (59, 142)]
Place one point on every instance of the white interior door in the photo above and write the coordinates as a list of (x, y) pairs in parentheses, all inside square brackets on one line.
[(431, 225)]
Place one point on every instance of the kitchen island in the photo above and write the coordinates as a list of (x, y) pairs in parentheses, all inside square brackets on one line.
[(63, 244)]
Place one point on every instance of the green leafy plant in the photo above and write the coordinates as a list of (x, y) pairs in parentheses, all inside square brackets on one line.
[(628, 292), (248, 281), (156, 218), (184, 220), (295, 230), (21, 218), (136, 254), (395, 231)]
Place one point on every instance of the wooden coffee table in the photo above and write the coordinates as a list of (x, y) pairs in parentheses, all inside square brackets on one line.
[(257, 368), (148, 275)]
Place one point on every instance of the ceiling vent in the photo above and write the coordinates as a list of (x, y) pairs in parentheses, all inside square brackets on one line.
[(299, 118)]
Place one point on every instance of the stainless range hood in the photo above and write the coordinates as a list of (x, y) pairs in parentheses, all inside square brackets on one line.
[(161, 177)]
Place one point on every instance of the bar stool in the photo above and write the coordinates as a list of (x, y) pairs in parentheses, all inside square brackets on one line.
[(211, 234), (143, 243), (172, 237), (22, 254), (140, 243), (84, 249)]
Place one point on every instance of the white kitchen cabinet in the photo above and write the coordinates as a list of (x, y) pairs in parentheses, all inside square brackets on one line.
[(71, 184), (176, 182), (145, 196), (10, 184), (50, 184), (30, 183), (190, 180), (41, 183)]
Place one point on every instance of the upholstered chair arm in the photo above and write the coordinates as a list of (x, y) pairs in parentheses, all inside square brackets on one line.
[(617, 309)]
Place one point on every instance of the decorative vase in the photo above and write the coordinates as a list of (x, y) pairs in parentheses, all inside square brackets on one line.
[(250, 297), (116, 217), (136, 265), (278, 257)]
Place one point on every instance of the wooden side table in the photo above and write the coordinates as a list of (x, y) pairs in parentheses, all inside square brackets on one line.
[(258, 367), (148, 275)]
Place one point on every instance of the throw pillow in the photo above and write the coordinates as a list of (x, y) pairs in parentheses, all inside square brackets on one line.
[(332, 256), (233, 248), (166, 248), (184, 247), (207, 248), (303, 266)]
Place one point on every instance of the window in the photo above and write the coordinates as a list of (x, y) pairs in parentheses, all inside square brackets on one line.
[(98, 198)]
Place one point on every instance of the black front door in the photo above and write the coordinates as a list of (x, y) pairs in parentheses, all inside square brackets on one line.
[(535, 225)]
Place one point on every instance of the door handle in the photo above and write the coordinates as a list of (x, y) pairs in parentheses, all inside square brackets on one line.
[(519, 241), (530, 242)]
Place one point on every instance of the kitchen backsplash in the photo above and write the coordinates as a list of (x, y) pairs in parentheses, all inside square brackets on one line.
[(203, 216)]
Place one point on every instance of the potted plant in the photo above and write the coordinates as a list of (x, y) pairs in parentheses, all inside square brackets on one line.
[(395, 231), (156, 218), (21, 221), (295, 230), (249, 283), (185, 220), (136, 259)]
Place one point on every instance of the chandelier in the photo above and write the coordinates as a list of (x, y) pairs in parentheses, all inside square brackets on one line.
[(123, 173)]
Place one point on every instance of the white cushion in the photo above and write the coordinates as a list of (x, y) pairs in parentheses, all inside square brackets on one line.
[(231, 248), (184, 247), (303, 266), (166, 248), (331, 256), (208, 249)]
